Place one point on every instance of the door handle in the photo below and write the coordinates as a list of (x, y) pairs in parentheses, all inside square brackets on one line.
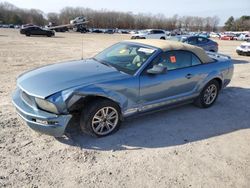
[(188, 76)]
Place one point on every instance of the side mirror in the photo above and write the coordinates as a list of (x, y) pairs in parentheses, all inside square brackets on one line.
[(157, 69)]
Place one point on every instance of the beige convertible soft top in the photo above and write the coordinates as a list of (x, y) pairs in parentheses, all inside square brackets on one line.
[(167, 45)]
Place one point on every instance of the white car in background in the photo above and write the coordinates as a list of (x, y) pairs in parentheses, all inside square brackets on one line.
[(214, 35), (79, 19), (243, 49), (245, 37), (150, 34)]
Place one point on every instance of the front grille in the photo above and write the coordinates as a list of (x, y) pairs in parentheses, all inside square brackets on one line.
[(29, 100)]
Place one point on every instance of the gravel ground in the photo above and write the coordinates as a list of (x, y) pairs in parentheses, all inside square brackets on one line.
[(182, 147)]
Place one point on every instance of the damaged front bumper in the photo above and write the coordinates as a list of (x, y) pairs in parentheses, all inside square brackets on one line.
[(39, 120)]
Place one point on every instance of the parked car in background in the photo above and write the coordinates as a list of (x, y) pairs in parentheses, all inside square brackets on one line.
[(97, 31), (123, 31), (17, 26), (245, 37), (214, 35), (243, 49), (150, 34), (109, 31), (205, 43), (203, 34), (5, 26), (125, 79), (227, 37), (79, 19), (34, 30), (61, 29), (27, 25)]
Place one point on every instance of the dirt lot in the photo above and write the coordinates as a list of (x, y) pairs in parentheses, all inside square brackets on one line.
[(183, 147)]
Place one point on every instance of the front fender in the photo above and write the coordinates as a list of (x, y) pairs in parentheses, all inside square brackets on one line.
[(74, 96)]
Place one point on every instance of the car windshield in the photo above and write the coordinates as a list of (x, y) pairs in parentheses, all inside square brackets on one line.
[(144, 31), (125, 57)]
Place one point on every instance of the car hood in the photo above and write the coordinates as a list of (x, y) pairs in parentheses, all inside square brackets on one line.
[(47, 80)]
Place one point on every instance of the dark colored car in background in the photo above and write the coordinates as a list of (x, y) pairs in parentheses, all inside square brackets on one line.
[(35, 30), (203, 42), (109, 31)]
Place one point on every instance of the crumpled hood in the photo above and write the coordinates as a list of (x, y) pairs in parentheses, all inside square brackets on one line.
[(47, 80)]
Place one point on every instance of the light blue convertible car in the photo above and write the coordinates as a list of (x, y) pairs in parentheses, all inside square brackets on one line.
[(125, 79)]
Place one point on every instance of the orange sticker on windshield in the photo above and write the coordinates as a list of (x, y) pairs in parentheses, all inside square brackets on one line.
[(172, 59)]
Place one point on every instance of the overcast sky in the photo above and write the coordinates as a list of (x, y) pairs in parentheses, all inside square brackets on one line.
[(221, 8)]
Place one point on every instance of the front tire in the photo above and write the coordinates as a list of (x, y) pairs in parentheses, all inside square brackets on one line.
[(208, 95), (100, 118)]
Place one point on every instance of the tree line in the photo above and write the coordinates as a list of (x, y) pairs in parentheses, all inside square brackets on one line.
[(240, 24), (10, 14)]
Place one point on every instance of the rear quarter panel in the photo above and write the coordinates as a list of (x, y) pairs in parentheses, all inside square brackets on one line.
[(221, 68)]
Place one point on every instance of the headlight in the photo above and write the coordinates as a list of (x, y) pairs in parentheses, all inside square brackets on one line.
[(46, 105)]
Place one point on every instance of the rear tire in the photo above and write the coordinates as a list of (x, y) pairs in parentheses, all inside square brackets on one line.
[(163, 38), (100, 118), (208, 95), (27, 34)]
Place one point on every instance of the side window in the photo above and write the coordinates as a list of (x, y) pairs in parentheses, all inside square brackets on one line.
[(152, 32), (175, 60), (158, 32), (178, 59), (192, 40), (202, 40), (195, 60)]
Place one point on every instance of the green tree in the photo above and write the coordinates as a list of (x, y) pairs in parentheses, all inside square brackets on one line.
[(243, 23), (230, 24), (15, 19)]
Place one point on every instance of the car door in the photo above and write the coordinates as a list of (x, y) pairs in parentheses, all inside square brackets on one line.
[(160, 34), (151, 34), (203, 43), (177, 84), (32, 30), (192, 40), (41, 31), (35, 31)]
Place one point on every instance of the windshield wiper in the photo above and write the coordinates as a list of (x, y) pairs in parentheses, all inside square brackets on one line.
[(108, 64), (102, 62)]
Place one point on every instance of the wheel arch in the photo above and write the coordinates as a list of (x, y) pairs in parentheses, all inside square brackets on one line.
[(78, 102), (214, 75), (219, 80)]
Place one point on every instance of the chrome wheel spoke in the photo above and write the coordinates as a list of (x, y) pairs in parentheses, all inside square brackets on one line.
[(207, 100), (99, 127), (112, 115), (110, 124), (97, 119), (103, 112), (102, 127)]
